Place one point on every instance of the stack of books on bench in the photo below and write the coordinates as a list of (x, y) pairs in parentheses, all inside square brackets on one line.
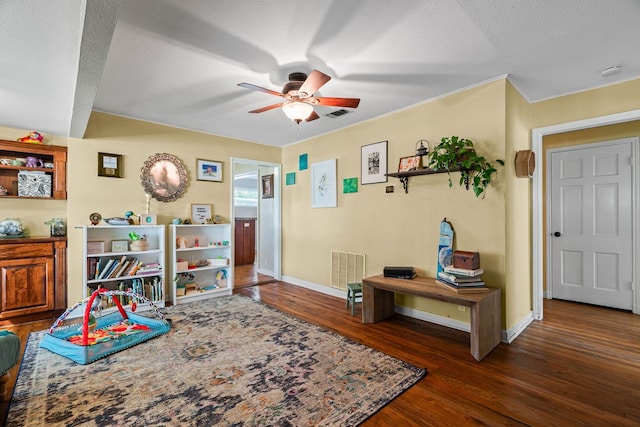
[(462, 280)]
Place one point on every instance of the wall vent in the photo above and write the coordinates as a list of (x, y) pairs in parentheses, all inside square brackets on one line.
[(338, 113), (346, 268)]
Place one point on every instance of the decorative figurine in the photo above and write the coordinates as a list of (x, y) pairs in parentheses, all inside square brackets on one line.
[(33, 137), (95, 218)]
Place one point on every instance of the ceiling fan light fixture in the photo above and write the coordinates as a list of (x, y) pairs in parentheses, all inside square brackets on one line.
[(297, 111)]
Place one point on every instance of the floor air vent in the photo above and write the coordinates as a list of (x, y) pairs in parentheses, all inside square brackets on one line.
[(338, 113), (346, 268)]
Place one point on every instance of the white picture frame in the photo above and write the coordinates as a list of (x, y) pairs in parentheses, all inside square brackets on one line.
[(323, 184), (201, 213), (374, 163)]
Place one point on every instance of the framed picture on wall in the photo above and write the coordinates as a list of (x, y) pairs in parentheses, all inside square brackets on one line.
[(267, 186), (373, 163), (110, 165), (209, 170), (323, 184)]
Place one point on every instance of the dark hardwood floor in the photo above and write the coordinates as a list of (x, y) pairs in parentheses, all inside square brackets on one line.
[(247, 275), (580, 366)]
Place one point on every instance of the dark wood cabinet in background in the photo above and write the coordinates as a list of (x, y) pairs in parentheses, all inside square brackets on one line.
[(245, 241), (33, 281)]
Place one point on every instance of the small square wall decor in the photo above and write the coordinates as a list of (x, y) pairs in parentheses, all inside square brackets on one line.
[(291, 178), (349, 185), (303, 162)]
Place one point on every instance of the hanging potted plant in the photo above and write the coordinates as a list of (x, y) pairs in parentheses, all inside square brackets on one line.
[(458, 154)]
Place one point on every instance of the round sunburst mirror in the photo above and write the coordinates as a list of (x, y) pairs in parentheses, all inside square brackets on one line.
[(164, 177)]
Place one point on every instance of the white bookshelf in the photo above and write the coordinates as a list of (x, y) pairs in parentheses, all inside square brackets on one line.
[(201, 257), (148, 280)]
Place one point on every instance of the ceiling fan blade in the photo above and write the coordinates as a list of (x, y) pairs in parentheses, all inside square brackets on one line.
[(312, 116), (314, 81), (339, 102), (261, 89), (267, 108)]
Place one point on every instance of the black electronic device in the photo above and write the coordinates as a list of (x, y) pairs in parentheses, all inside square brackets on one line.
[(400, 272)]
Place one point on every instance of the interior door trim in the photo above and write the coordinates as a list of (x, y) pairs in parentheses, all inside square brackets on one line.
[(538, 206)]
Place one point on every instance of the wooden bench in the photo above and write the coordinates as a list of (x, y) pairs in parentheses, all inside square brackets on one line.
[(378, 303)]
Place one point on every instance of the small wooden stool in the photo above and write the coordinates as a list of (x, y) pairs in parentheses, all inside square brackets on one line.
[(354, 290)]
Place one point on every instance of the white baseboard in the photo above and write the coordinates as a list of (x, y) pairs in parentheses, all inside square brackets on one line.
[(315, 287), (266, 272), (433, 318), (506, 336), (512, 333)]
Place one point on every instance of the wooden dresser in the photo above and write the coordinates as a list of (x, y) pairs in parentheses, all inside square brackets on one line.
[(33, 278)]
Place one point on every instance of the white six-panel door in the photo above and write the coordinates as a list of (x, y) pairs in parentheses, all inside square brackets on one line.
[(590, 225)]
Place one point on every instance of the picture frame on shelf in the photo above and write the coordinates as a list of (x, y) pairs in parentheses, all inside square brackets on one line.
[(95, 246), (149, 219), (119, 246), (209, 170), (408, 163), (110, 165), (201, 213), (373, 163), (267, 186)]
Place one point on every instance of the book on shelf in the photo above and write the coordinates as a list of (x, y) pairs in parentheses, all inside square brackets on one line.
[(463, 289), (133, 269), (463, 271), (106, 269), (117, 267), (459, 280)]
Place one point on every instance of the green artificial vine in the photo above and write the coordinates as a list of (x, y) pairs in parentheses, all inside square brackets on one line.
[(453, 154)]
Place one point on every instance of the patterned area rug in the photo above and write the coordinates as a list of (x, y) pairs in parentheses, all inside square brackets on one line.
[(226, 361)]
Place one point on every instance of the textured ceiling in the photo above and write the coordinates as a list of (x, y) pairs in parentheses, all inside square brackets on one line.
[(178, 62)]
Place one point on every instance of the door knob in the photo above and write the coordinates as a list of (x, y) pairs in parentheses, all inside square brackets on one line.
[(557, 234)]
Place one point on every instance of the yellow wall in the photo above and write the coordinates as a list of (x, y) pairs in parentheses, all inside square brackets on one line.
[(517, 298), (399, 228), (136, 141), (588, 104), (391, 229)]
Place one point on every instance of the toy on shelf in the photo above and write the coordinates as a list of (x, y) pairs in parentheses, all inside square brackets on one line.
[(33, 137), (100, 336)]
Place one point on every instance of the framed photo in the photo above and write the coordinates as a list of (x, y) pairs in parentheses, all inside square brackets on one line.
[(373, 163), (119, 245), (323, 184), (110, 165), (201, 214), (408, 163), (209, 170), (95, 247), (267, 186)]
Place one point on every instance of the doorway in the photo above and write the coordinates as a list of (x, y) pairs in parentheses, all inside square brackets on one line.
[(256, 219), (538, 203), (590, 228)]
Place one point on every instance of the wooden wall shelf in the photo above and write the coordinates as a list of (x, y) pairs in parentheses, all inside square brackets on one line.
[(55, 155), (404, 176)]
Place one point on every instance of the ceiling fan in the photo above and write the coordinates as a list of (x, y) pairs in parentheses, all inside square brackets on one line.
[(298, 96)]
